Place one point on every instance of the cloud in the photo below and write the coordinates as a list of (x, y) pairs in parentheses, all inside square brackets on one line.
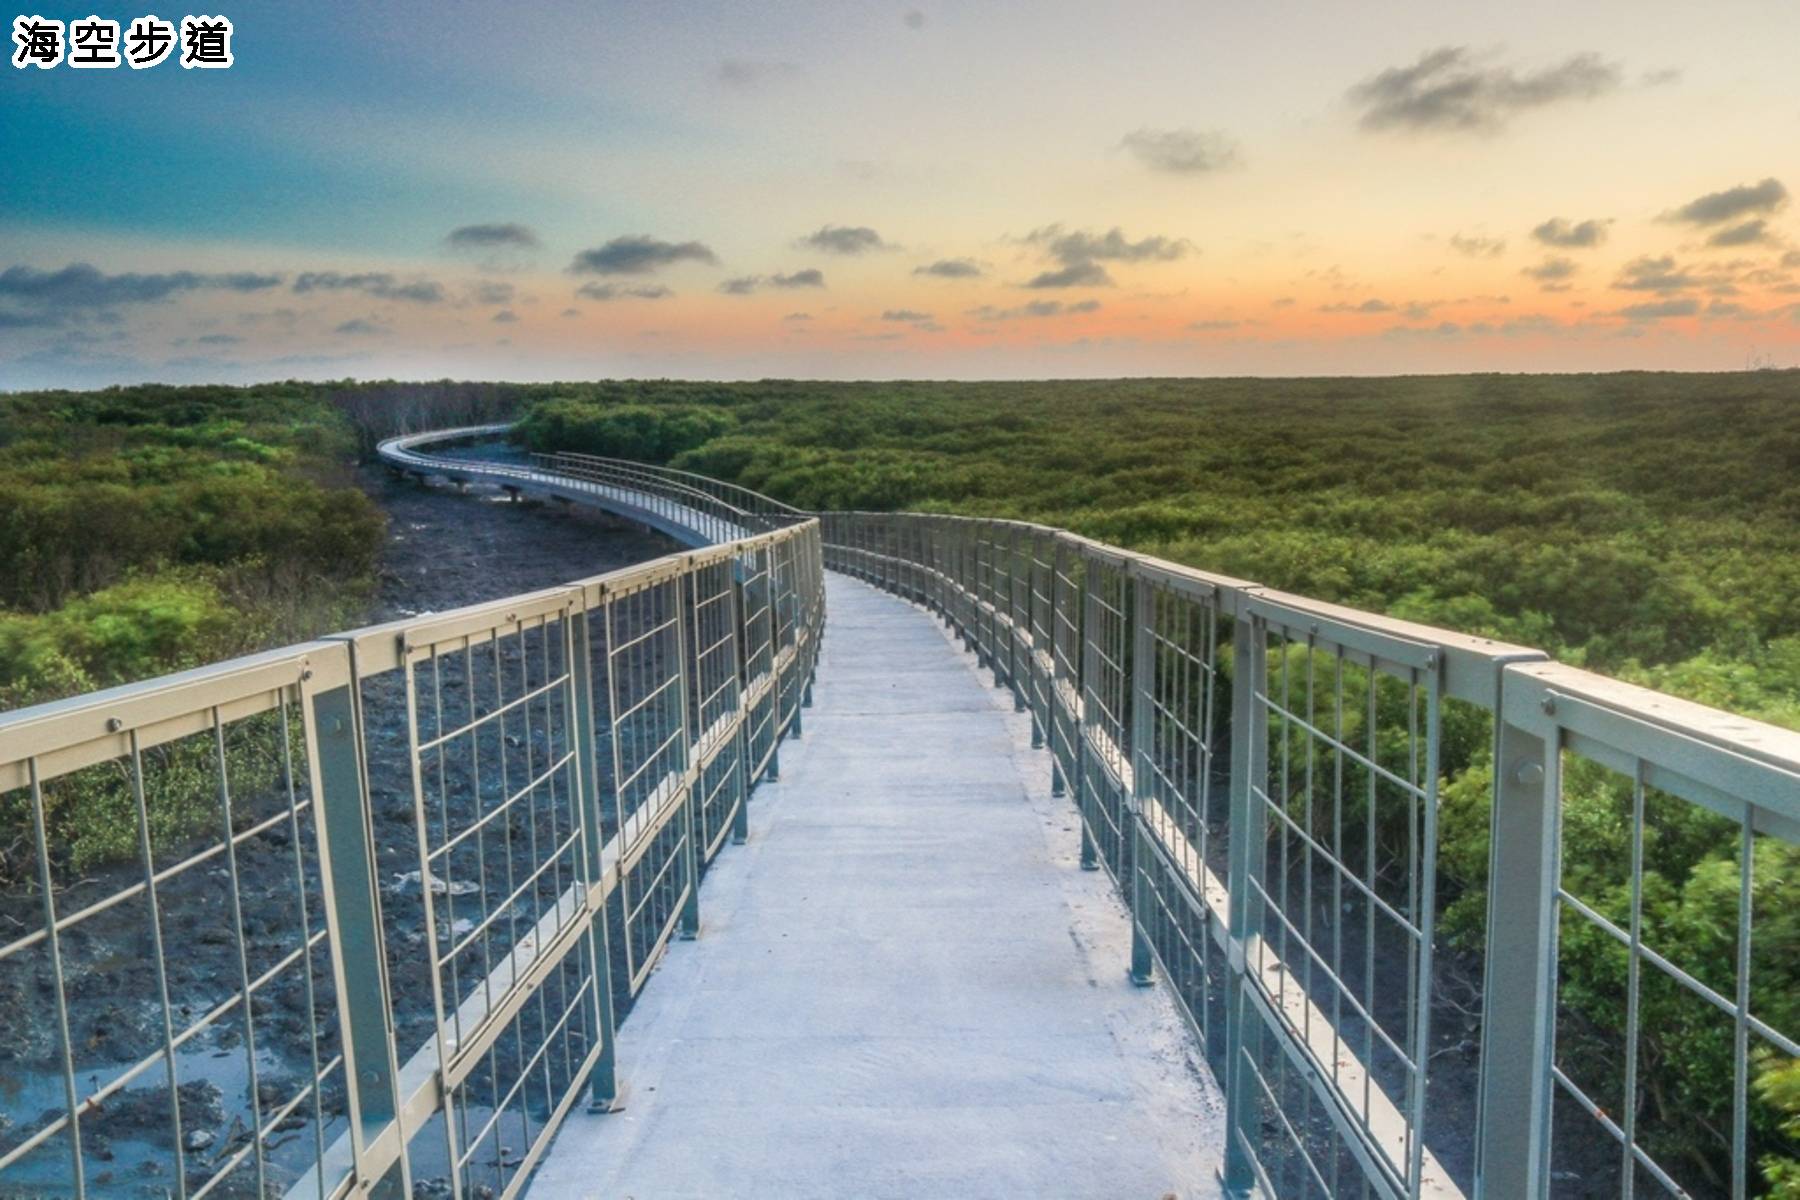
[(492, 293), (914, 19), (218, 339), (1476, 246), (1367, 306), (905, 314), (1645, 274), (569, 313), (1037, 308), (506, 316), (37, 320), (798, 316), (1446, 90), (1444, 329), (744, 285), (379, 284), (638, 254), (1078, 274), (845, 239), (1213, 326), (951, 268), (1656, 310), (747, 73), (506, 235), (619, 291), (1749, 233), (1552, 271), (1660, 77), (1717, 207), (1181, 151), (1531, 325), (1581, 235), (84, 286), (1070, 248), (362, 327)]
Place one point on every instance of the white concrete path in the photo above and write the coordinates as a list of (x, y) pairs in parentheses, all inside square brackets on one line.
[(904, 985)]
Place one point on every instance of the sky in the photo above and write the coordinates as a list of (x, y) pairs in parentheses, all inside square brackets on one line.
[(925, 189)]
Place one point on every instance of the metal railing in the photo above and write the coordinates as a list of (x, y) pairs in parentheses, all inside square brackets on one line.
[(1261, 775), (373, 901), (688, 507)]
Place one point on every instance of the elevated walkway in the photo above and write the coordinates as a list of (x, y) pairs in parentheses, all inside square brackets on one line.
[(904, 985)]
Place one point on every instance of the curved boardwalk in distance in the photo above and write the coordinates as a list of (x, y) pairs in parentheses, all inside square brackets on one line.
[(904, 985)]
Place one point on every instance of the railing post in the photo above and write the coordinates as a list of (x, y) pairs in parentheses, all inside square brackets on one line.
[(1059, 785), (1084, 631), (685, 612), (1249, 764), (332, 717), (740, 736), (603, 1085), (1512, 1153), (1143, 692)]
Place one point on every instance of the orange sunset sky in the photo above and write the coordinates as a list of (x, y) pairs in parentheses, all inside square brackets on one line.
[(916, 190)]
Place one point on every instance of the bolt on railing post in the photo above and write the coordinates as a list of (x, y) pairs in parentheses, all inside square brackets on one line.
[(603, 1085), (332, 720), (1512, 1153), (1249, 765), (1142, 693)]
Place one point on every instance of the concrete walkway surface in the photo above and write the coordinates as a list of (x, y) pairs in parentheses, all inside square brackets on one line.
[(904, 986)]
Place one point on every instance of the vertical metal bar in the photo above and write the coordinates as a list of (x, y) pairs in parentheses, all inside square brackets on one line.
[(300, 890), (1518, 1009), (740, 736), (408, 668), (603, 1085), (243, 955), (1143, 687), (47, 884), (1425, 914), (332, 721), (162, 971), (690, 782), (1740, 1015), (1249, 754)]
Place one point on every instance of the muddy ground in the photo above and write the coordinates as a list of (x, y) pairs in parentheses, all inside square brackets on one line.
[(444, 550)]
